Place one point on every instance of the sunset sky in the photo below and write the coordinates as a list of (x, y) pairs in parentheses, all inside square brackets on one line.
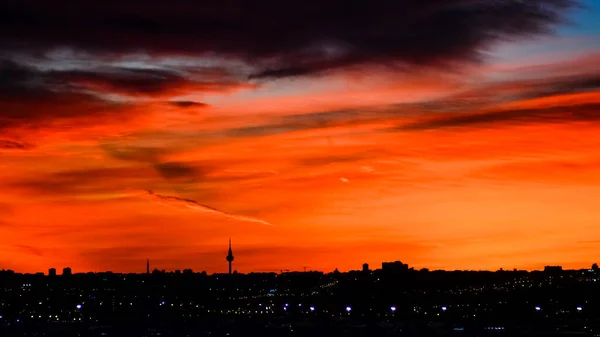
[(321, 134)]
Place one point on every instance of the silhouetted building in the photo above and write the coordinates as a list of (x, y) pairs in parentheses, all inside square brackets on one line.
[(147, 266), (229, 257), (67, 271), (365, 267), (52, 272), (395, 266), (553, 269)]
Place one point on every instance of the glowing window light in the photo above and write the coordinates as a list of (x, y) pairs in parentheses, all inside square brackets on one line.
[(348, 309), (312, 308), (393, 309)]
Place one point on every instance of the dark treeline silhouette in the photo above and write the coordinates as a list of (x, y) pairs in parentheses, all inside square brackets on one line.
[(394, 300)]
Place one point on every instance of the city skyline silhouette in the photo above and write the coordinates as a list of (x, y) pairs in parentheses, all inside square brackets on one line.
[(396, 265)]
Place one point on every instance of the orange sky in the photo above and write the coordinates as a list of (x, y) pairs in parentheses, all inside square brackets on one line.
[(359, 180), (495, 165)]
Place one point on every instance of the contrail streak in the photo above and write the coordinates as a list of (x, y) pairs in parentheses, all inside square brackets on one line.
[(194, 205)]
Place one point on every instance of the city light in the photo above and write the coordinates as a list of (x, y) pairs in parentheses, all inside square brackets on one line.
[(538, 308), (579, 308), (78, 306), (348, 309), (393, 309), (312, 308), (444, 308)]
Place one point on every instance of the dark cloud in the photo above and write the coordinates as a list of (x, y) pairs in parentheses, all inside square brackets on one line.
[(280, 38), (108, 181), (560, 86), (188, 104), (486, 95), (558, 114), (332, 159), (134, 154), (173, 170), (128, 81), (23, 81), (85, 181), (9, 144), (309, 121), (145, 81), (455, 110), (31, 96), (265, 38), (153, 156)]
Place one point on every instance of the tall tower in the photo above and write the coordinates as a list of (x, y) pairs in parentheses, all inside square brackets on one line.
[(229, 256), (147, 266)]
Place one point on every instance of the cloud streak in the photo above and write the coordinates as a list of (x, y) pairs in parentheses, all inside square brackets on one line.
[(8, 144), (557, 114), (196, 206)]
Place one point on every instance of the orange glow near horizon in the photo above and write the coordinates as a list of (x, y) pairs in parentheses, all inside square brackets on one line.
[(367, 169)]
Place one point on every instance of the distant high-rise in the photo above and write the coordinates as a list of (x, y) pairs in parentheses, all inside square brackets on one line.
[(365, 267), (67, 271), (147, 266), (52, 272), (394, 267), (229, 257), (553, 269)]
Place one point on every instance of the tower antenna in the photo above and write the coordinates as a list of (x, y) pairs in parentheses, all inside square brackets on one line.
[(229, 257)]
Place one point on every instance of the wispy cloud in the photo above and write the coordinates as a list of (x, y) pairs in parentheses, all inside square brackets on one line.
[(196, 206), (8, 144), (557, 114)]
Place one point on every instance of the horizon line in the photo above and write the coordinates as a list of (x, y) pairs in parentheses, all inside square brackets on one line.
[(283, 271)]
